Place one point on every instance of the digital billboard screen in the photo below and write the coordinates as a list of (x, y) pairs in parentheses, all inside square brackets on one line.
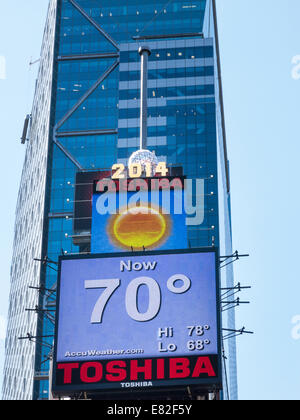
[(139, 215), (84, 187), (137, 320)]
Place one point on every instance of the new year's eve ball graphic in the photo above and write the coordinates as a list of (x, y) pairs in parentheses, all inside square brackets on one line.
[(139, 227)]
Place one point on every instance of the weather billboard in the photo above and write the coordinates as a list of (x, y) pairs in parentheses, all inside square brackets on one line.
[(137, 320)]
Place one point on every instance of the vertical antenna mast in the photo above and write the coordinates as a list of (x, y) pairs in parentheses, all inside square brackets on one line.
[(144, 157), (144, 52)]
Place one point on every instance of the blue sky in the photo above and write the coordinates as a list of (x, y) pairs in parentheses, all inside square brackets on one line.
[(258, 40)]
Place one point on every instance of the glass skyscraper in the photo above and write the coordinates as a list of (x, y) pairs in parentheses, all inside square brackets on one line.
[(85, 117)]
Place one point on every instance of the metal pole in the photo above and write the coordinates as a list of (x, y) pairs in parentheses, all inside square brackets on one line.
[(144, 52)]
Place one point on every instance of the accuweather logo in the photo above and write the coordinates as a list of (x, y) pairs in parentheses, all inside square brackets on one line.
[(2, 67), (296, 67)]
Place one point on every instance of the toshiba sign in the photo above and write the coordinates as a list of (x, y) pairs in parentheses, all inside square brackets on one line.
[(137, 373)]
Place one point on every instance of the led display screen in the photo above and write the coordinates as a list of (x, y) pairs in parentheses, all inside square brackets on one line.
[(143, 320), (147, 219)]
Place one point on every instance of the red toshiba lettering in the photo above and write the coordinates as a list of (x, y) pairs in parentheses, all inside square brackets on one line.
[(179, 368), (203, 365), (68, 368), (160, 369), (113, 373), (97, 374), (135, 370)]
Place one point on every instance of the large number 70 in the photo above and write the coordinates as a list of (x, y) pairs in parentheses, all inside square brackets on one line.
[(131, 296)]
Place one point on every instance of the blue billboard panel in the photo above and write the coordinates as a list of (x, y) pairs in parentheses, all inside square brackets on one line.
[(143, 220), (118, 312)]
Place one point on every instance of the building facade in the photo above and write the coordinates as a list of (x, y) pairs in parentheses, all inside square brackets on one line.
[(86, 118)]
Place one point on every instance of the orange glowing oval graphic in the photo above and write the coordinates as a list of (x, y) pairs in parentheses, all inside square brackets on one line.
[(139, 227)]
